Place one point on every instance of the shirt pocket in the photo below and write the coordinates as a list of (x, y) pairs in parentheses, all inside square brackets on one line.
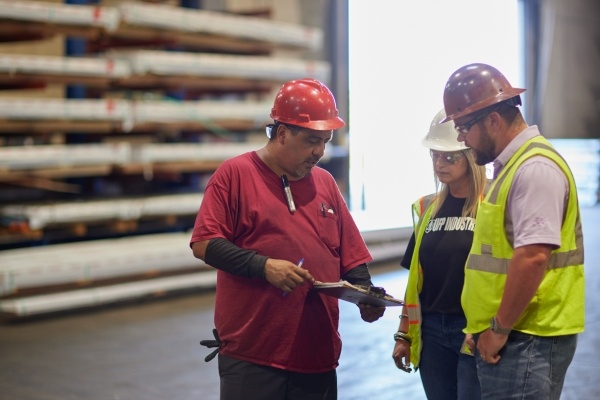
[(490, 224), (329, 229)]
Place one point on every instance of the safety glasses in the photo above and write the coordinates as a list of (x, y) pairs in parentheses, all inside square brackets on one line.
[(447, 158), (272, 128), (466, 127)]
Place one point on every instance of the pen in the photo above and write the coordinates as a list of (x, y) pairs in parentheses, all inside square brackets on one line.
[(288, 193), (299, 266)]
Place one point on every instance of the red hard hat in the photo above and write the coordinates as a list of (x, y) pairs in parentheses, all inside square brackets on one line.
[(474, 87), (307, 103)]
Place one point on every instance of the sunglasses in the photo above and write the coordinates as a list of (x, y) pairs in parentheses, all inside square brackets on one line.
[(466, 127), (448, 158)]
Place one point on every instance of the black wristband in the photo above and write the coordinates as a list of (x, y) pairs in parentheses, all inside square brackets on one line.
[(358, 275), (226, 256)]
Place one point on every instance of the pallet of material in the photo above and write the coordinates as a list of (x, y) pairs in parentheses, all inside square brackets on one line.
[(122, 153), (76, 67), (16, 234), (63, 14), (88, 261), (143, 21), (20, 115), (35, 166), (82, 263), (159, 260), (206, 111), (43, 156), (171, 152), (275, 69), (171, 18), (61, 109), (38, 216), (119, 66), (39, 304)]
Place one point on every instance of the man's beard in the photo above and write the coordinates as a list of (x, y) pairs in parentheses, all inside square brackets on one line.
[(487, 148), (302, 172)]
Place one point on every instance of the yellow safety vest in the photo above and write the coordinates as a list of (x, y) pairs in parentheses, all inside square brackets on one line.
[(421, 210), (557, 307)]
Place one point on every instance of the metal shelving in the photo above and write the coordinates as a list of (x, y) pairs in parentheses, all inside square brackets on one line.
[(99, 192)]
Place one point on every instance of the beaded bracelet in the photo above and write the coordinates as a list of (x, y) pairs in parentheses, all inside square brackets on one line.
[(402, 336)]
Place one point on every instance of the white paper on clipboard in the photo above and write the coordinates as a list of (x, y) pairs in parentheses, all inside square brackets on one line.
[(357, 294)]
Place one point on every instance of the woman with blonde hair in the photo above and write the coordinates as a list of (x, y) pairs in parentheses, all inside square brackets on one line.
[(430, 333)]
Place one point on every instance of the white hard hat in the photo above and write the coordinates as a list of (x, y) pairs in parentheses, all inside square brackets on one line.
[(442, 136)]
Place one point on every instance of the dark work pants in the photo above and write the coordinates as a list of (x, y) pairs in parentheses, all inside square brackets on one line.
[(248, 381)]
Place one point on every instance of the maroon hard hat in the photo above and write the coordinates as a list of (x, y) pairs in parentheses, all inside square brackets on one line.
[(474, 87), (307, 103)]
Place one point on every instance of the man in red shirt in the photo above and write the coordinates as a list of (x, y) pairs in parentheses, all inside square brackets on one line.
[(272, 222)]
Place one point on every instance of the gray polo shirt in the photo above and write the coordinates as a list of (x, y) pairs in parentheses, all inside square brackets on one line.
[(538, 196)]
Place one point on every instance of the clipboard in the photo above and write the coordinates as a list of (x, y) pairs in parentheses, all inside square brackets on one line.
[(357, 294)]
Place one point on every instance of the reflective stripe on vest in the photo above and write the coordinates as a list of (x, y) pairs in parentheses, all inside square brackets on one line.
[(422, 210)]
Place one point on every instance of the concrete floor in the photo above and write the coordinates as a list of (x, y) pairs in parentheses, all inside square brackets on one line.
[(149, 350)]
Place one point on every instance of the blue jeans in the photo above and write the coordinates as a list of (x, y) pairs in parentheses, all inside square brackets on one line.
[(531, 367), (446, 373)]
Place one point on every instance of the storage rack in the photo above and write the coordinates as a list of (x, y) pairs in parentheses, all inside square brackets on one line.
[(99, 192)]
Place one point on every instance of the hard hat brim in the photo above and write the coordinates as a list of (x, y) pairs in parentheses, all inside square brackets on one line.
[(443, 145), (328, 125), (508, 94)]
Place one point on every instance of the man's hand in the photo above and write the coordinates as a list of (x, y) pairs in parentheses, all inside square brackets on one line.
[(489, 344), (370, 313), (286, 275)]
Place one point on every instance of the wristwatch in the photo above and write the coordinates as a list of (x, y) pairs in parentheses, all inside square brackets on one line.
[(496, 328)]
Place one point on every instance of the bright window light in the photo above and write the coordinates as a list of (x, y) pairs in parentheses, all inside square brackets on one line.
[(401, 55)]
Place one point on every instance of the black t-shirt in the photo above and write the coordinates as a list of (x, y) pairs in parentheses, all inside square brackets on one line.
[(443, 253)]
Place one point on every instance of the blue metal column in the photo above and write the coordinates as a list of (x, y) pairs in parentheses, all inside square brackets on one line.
[(76, 47), (196, 4)]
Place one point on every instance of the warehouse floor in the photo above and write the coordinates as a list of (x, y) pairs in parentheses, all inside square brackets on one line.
[(148, 350)]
